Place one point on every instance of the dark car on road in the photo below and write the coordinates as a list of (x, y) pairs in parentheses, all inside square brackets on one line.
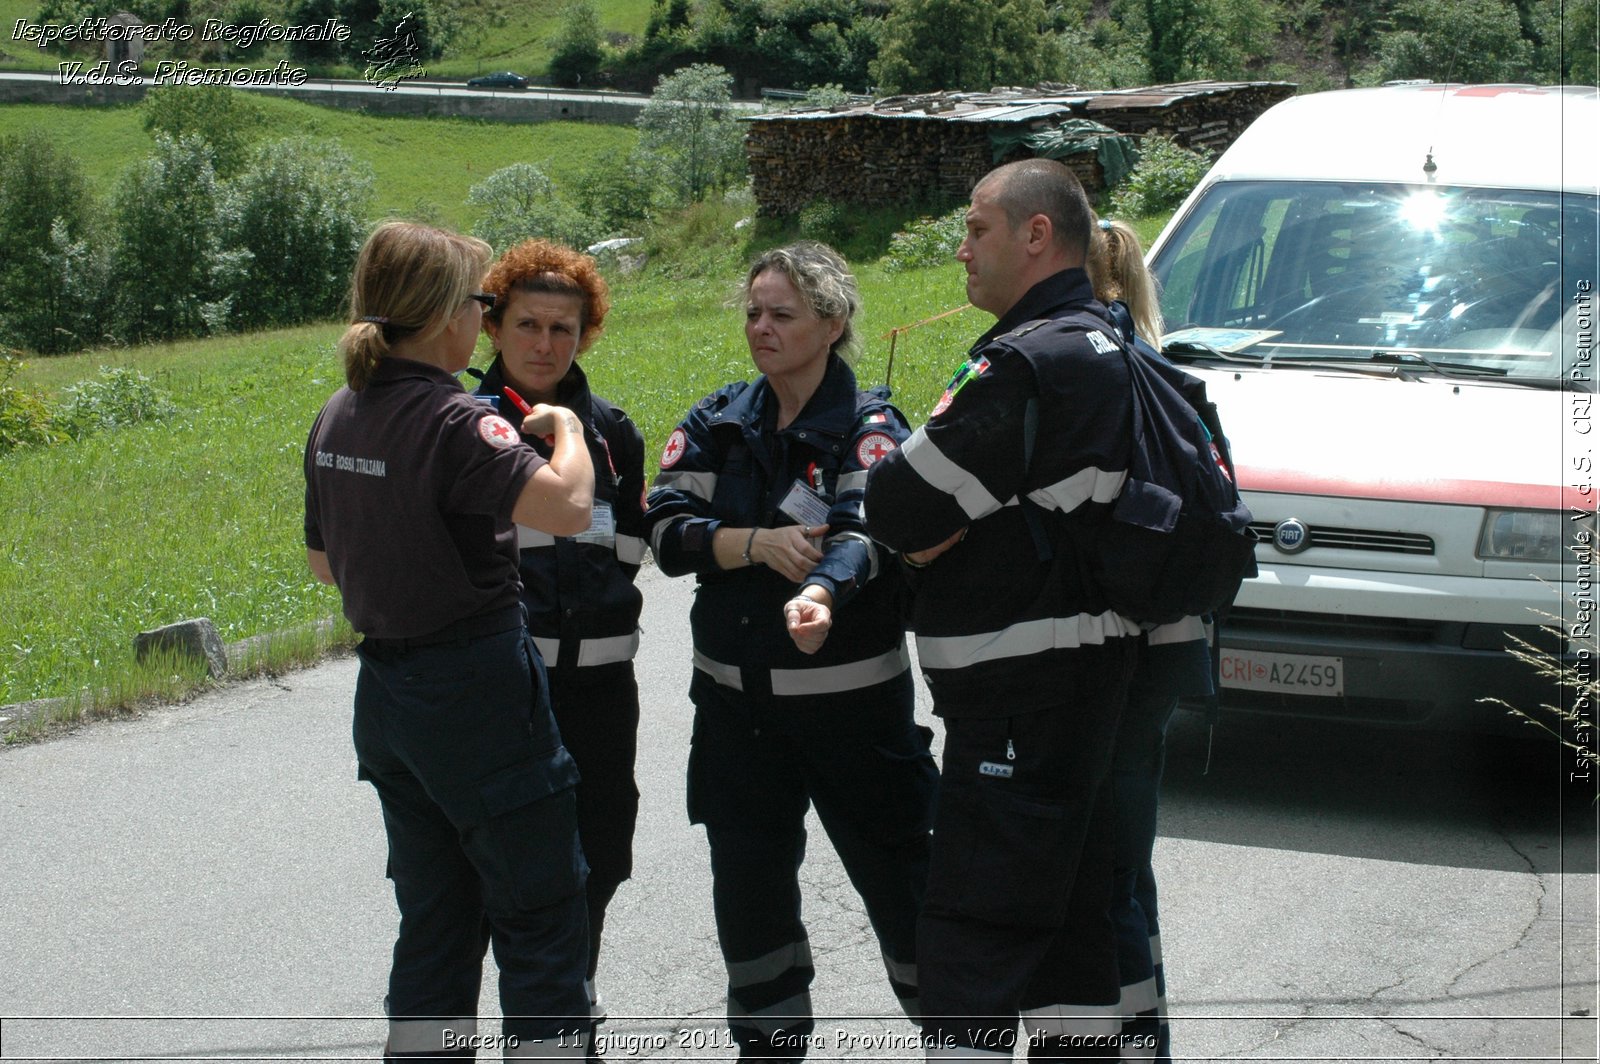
[(503, 79)]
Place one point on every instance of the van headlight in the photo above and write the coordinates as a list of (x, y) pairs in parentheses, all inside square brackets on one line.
[(1535, 535)]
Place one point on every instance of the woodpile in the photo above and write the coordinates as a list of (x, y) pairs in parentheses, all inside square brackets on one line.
[(934, 148)]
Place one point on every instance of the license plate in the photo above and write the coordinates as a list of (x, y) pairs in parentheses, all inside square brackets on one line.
[(1291, 674)]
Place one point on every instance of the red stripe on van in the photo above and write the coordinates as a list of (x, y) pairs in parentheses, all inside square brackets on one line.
[(1455, 492)]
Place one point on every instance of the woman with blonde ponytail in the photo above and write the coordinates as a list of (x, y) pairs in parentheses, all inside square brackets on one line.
[(1174, 662), (413, 489)]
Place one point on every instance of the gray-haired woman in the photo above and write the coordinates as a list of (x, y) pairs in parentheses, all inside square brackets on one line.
[(802, 688)]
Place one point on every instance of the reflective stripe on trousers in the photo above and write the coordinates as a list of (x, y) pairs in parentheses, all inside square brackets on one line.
[(604, 651), (827, 679), (1021, 639)]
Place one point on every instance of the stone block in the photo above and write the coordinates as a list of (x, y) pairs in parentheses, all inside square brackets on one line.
[(195, 638)]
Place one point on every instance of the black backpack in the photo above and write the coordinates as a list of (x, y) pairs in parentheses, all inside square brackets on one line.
[(1178, 542)]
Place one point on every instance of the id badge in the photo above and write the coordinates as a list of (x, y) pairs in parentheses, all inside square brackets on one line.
[(602, 525), (804, 506)]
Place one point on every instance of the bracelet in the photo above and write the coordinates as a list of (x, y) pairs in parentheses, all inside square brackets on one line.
[(909, 564), (747, 545)]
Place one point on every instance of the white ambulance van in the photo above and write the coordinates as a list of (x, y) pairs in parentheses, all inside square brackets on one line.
[(1390, 293)]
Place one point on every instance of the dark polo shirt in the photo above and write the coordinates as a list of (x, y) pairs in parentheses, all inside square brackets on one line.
[(410, 484)]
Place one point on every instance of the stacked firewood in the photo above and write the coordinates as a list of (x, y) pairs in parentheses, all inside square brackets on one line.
[(924, 148)]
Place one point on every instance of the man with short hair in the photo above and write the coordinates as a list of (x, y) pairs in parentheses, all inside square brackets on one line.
[(994, 504)]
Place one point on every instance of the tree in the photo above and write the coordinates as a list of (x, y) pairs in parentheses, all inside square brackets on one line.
[(42, 191), (929, 45), (688, 132), (313, 13), (519, 203), (577, 50), (168, 266), (1457, 40), (1173, 25), (226, 119), (299, 211)]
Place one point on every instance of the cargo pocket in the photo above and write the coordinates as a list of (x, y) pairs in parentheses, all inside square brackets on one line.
[(902, 786), (527, 847), (1000, 857)]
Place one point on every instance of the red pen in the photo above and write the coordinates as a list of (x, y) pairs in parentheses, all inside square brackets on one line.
[(519, 402), (522, 404)]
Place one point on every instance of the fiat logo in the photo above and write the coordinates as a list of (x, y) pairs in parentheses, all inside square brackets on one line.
[(1291, 536)]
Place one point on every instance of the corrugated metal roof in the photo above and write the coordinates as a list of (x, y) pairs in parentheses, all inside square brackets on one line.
[(1021, 105), (1014, 112)]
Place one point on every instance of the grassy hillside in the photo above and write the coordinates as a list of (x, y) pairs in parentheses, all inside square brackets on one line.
[(420, 165), (516, 34)]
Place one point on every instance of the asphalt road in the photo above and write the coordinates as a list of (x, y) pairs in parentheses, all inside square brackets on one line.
[(206, 882)]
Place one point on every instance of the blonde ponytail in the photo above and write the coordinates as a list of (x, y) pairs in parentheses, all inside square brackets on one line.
[(409, 280), (1117, 271), (361, 347)]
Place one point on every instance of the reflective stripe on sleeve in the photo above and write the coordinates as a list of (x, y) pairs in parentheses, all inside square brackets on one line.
[(866, 541), (630, 549), (829, 679), (942, 474), (1086, 485), (1022, 638), (660, 530), (853, 482), (701, 485)]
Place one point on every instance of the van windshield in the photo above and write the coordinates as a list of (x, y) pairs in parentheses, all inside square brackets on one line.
[(1491, 282)]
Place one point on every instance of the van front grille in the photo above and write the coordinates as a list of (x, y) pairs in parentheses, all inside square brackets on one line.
[(1357, 538)]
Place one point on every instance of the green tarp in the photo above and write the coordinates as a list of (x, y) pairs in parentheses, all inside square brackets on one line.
[(1115, 152)]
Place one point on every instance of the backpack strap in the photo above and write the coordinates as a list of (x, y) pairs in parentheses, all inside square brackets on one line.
[(1032, 512)]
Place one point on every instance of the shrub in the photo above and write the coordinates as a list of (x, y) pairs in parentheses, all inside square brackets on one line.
[(519, 202), (691, 135), (927, 242), (299, 210), (226, 119), (576, 53), (825, 220), (119, 397), (168, 267), (1163, 176), (25, 416), (618, 199)]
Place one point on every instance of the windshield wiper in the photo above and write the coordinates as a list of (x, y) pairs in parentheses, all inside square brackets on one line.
[(1194, 350), (1396, 357)]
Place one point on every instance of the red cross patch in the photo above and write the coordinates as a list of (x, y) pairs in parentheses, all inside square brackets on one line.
[(497, 431), (873, 446), (943, 404), (677, 443)]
